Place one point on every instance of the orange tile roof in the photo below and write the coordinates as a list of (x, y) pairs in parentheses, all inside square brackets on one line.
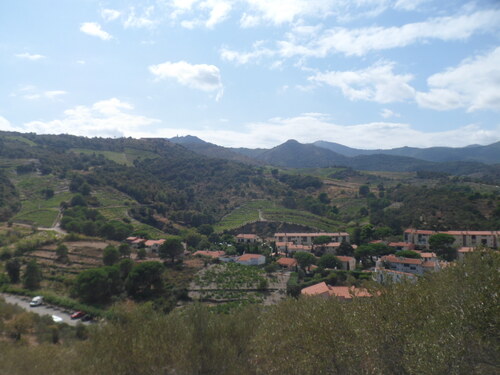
[(154, 242), (347, 292), (317, 234), (428, 255), (344, 292), (429, 264), (246, 257), (344, 258), (466, 250), (211, 254), (247, 236), (419, 231), (287, 262), (316, 289), (395, 259)]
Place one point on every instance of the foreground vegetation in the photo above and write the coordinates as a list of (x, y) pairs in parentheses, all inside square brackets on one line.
[(446, 323)]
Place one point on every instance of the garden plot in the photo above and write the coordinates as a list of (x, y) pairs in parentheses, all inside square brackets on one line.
[(230, 282)]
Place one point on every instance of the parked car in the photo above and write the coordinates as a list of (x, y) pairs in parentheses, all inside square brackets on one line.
[(87, 318), (57, 319), (36, 301), (77, 315)]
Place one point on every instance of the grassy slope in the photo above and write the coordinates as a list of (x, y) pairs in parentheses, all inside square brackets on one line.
[(272, 211)]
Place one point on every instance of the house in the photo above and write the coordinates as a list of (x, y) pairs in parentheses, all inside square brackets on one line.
[(308, 238), (251, 259), (408, 265), (248, 238), (210, 254), (383, 275), (348, 263), (463, 238), (152, 246), (463, 251), (290, 247), (135, 242), (428, 256), (418, 237), (288, 263), (342, 292), (398, 246)]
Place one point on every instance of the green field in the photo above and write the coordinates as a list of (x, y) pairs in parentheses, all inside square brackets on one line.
[(271, 211), (125, 158)]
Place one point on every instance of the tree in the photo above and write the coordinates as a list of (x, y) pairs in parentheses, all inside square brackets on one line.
[(408, 254), (32, 276), (364, 190), (21, 323), (304, 259), (205, 229), (110, 255), (13, 268), (329, 261), (145, 280), (171, 248), (345, 249), (78, 200), (62, 253), (124, 250), (93, 285), (141, 253), (441, 244), (125, 266), (321, 240)]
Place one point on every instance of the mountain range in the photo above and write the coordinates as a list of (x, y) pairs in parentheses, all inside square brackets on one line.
[(474, 159)]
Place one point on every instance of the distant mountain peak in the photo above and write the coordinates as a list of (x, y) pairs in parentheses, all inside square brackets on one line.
[(187, 139)]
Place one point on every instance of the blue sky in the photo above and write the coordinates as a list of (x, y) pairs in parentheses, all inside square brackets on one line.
[(254, 73)]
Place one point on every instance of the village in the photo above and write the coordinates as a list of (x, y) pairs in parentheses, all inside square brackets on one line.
[(328, 264)]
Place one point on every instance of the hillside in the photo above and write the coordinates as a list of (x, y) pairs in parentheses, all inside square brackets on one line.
[(211, 150), (489, 154)]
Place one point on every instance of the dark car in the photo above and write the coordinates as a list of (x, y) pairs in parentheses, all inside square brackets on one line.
[(87, 318), (77, 315)]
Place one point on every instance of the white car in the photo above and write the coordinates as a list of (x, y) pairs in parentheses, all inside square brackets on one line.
[(36, 301), (57, 319)]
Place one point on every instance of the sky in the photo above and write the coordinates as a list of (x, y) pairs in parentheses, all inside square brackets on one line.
[(254, 73)]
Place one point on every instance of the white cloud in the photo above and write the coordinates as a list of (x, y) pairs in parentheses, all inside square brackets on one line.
[(106, 118), (30, 56), (409, 4), (387, 113), (94, 29), (198, 76), (110, 14), (359, 42), (377, 83), (5, 125), (139, 21), (31, 92), (474, 84)]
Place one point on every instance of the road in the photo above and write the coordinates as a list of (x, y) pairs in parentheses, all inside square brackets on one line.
[(44, 309)]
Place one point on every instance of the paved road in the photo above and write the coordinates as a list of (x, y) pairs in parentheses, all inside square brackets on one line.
[(44, 309)]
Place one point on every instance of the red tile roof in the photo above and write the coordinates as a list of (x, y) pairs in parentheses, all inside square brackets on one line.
[(287, 262), (316, 289), (419, 231), (344, 292), (344, 258), (317, 234)]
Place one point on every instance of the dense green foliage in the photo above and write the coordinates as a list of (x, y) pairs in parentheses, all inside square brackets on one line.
[(9, 198), (445, 323)]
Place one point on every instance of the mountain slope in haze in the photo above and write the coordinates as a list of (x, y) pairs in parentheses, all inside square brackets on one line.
[(489, 154), (211, 150), (293, 154)]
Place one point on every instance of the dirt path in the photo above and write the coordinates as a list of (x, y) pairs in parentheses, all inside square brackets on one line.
[(261, 217)]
